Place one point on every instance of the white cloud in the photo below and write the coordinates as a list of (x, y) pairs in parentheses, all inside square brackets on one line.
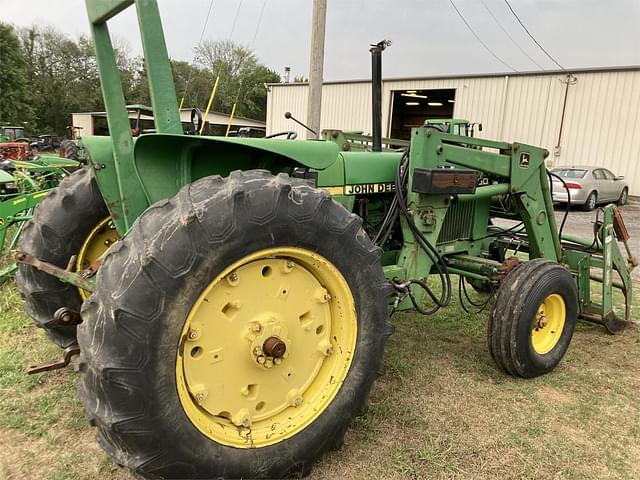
[(428, 36)]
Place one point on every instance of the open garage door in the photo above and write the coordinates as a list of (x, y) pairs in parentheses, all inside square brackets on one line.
[(410, 108)]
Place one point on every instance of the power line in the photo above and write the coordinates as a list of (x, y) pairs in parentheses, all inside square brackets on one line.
[(509, 35), (204, 28), (253, 42), (533, 38), (235, 20), (206, 22), (479, 39), (255, 34)]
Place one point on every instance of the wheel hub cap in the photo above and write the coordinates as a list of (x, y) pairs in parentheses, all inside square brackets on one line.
[(548, 324), (266, 347)]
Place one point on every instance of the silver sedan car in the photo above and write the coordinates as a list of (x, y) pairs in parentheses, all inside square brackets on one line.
[(588, 186)]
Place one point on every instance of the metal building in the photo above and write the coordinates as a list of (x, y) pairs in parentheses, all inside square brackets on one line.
[(95, 123), (591, 116)]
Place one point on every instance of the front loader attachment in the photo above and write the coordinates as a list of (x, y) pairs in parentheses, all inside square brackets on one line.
[(594, 263)]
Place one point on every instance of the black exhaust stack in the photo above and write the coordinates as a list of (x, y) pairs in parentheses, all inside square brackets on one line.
[(376, 93)]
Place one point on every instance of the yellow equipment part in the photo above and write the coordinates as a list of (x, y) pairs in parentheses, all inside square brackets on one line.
[(266, 347), (548, 324), (94, 246)]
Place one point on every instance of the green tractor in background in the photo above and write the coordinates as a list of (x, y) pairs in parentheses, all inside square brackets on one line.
[(454, 126), (23, 185), (10, 133), (357, 141), (230, 298)]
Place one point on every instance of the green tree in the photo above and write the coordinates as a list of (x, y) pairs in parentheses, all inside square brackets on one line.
[(193, 83), (14, 79), (64, 79), (242, 78)]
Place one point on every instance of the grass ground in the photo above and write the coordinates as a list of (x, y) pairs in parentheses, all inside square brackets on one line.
[(441, 411)]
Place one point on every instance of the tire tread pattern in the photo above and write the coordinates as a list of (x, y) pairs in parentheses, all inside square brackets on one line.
[(505, 346), (58, 228), (116, 331)]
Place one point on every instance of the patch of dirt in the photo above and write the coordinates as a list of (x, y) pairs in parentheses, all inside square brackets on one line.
[(553, 397), (76, 453)]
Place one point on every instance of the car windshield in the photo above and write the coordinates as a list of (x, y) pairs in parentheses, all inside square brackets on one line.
[(570, 172)]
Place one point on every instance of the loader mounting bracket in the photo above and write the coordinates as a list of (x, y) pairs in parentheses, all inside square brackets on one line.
[(69, 352), (84, 279)]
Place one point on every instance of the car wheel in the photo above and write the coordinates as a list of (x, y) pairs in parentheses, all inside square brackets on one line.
[(624, 196), (591, 202)]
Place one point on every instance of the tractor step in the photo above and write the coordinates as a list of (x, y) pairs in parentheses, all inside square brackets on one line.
[(69, 352)]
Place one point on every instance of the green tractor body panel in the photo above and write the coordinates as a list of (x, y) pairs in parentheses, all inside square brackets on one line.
[(370, 169)]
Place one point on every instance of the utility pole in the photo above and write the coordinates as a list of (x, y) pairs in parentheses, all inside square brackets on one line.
[(316, 65)]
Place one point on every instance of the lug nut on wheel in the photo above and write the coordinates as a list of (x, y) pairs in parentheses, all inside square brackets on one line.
[(232, 278), (294, 397), (242, 418), (200, 396), (325, 348)]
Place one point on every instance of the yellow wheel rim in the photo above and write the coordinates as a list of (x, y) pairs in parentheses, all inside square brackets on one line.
[(548, 324), (97, 242), (266, 347)]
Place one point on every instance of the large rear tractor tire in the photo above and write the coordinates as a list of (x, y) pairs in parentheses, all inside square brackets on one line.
[(71, 220), (235, 332), (533, 319)]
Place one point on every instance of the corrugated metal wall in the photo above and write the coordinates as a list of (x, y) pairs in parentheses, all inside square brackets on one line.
[(601, 124)]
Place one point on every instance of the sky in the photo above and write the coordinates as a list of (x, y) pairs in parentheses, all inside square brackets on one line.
[(428, 37)]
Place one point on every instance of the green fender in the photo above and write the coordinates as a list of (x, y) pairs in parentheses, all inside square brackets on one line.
[(164, 163)]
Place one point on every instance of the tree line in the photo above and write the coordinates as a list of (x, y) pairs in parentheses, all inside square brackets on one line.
[(45, 76)]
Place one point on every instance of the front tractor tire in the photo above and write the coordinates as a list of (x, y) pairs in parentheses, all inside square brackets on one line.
[(235, 332), (70, 221), (533, 318)]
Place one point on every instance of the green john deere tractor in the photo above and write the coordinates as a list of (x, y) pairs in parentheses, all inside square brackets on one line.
[(11, 133), (230, 298)]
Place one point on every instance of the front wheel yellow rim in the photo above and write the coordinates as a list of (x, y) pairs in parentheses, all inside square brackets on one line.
[(266, 347), (548, 324)]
